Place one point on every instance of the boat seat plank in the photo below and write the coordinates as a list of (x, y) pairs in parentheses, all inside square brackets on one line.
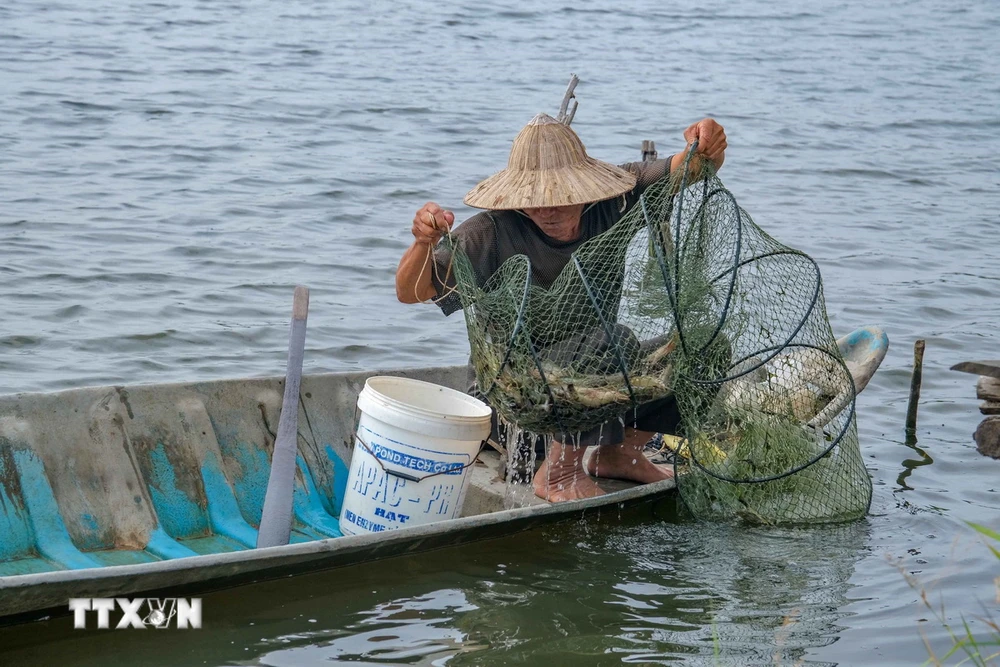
[(27, 565), (16, 538), (310, 512), (165, 547), (108, 557), (223, 506), (213, 544), (52, 539)]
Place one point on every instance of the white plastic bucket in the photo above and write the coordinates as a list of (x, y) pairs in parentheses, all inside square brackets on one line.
[(414, 444)]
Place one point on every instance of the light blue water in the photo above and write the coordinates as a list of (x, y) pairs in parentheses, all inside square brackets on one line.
[(169, 170)]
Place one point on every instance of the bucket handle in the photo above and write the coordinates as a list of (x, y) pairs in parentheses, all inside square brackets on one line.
[(412, 478)]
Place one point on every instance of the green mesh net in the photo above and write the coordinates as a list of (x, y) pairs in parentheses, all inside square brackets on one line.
[(685, 295)]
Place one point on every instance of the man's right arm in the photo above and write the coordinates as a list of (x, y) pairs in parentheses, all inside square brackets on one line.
[(413, 277)]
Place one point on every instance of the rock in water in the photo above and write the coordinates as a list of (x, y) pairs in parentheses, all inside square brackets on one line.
[(988, 437)]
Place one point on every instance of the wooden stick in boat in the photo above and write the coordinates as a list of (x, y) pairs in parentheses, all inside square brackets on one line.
[(915, 380), (276, 519)]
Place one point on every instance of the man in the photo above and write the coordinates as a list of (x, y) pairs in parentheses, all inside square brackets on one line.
[(552, 198)]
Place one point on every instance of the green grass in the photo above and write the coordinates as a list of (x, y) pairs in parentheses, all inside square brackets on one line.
[(966, 647)]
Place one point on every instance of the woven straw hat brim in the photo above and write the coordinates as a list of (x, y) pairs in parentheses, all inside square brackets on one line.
[(582, 183)]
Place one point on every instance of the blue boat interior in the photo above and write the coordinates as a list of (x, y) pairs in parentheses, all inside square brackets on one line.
[(114, 476)]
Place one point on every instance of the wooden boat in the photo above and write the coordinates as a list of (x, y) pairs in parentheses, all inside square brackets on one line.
[(158, 489)]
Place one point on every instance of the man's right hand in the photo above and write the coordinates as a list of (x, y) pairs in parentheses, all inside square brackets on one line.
[(430, 223)]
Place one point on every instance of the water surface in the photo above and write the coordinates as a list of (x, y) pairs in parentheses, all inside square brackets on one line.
[(170, 170)]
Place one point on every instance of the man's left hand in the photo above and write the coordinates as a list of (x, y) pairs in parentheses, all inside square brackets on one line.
[(711, 140)]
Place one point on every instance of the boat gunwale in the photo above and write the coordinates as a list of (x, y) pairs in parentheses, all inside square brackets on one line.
[(393, 372)]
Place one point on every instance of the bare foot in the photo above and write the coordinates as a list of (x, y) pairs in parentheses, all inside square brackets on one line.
[(561, 477), (557, 487), (626, 461)]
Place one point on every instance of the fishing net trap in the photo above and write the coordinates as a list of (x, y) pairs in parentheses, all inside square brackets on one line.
[(684, 296)]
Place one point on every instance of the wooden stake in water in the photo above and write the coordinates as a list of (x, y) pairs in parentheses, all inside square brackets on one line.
[(915, 380), (648, 151), (276, 519), (566, 112)]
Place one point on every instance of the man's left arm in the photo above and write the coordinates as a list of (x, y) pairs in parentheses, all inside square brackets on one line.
[(711, 145)]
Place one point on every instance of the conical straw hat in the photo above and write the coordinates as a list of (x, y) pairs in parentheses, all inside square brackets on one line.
[(549, 166)]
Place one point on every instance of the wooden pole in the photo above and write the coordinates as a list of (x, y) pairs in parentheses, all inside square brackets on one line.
[(276, 518), (648, 150), (918, 371)]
